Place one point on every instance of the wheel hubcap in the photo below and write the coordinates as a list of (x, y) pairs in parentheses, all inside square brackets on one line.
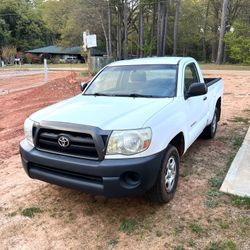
[(170, 174)]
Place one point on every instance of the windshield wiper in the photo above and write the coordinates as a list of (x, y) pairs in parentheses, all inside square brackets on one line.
[(100, 94), (135, 95)]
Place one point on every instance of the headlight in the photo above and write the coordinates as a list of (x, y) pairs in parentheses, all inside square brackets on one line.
[(28, 127), (129, 142)]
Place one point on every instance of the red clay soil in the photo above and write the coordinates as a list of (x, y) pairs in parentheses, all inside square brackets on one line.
[(13, 84), (16, 107)]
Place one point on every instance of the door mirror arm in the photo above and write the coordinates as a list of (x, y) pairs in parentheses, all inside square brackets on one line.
[(83, 85)]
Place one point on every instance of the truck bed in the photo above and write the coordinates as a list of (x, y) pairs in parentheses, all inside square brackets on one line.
[(211, 81)]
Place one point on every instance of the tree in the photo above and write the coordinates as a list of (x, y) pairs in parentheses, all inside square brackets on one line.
[(238, 43), (21, 25), (125, 23), (222, 32), (176, 22)]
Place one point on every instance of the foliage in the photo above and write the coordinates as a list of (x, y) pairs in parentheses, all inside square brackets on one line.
[(28, 24), (21, 26), (8, 54), (238, 43)]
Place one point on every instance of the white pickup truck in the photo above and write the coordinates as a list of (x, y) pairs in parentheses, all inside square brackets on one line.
[(125, 133)]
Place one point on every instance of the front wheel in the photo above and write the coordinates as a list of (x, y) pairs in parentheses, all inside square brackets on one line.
[(166, 183), (210, 131)]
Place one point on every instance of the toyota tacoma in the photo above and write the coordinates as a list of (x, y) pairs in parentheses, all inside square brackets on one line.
[(125, 133)]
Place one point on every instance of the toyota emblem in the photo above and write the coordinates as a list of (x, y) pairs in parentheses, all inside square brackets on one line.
[(63, 141)]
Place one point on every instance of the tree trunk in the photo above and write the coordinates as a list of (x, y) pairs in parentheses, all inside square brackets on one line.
[(118, 35), (214, 41), (141, 30), (109, 31), (159, 35), (204, 49), (104, 32), (152, 31), (176, 22), (165, 29), (219, 59), (125, 22)]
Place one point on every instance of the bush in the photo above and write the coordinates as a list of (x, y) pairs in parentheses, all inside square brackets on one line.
[(238, 43), (8, 54)]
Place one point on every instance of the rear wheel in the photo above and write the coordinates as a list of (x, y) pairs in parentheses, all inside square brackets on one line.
[(165, 186), (210, 131)]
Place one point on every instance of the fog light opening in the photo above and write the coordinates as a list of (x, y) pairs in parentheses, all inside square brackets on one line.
[(131, 179)]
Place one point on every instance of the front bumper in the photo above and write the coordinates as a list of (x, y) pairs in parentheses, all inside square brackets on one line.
[(109, 177)]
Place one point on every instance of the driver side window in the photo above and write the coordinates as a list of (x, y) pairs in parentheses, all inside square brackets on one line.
[(190, 76)]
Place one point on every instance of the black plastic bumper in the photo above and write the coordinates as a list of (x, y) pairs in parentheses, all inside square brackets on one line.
[(109, 177)]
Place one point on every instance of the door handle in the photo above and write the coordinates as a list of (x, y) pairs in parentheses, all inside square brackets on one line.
[(205, 98)]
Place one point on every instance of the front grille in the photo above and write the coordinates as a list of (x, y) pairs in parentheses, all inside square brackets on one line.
[(81, 144), (65, 173)]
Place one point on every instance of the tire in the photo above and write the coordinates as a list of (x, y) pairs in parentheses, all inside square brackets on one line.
[(210, 131), (166, 183)]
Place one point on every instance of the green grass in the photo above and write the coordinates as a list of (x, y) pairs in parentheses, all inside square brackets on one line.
[(31, 211), (240, 119), (112, 243), (216, 182), (241, 201), (128, 225), (218, 245), (237, 141), (211, 66), (196, 228)]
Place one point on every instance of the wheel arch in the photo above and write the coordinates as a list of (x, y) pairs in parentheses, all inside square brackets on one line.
[(179, 142)]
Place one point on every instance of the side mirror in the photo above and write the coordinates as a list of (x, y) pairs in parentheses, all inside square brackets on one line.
[(83, 85), (196, 89)]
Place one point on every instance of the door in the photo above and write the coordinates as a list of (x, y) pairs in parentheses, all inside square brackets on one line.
[(196, 107)]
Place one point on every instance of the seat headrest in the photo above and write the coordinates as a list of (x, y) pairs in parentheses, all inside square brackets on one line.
[(138, 76)]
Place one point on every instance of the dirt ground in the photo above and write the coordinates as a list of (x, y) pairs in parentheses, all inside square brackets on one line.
[(12, 81), (38, 215)]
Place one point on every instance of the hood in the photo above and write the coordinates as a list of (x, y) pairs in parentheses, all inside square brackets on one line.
[(105, 112)]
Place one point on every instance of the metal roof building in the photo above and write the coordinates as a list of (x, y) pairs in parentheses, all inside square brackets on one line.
[(64, 51)]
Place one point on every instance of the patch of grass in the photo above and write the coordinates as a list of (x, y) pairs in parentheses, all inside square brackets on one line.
[(89, 211), (230, 245), (214, 245), (12, 214), (158, 233), (178, 229), (223, 225), (241, 201), (179, 248), (244, 225), (191, 242), (212, 197), (218, 245), (196, 228), (31, 211), (128, 225), (84, 73), (240, 119), (112, 242), (215, 181), (237, 141), (211, 66)]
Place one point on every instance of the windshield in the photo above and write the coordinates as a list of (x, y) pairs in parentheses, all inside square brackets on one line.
[(135, 81)]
